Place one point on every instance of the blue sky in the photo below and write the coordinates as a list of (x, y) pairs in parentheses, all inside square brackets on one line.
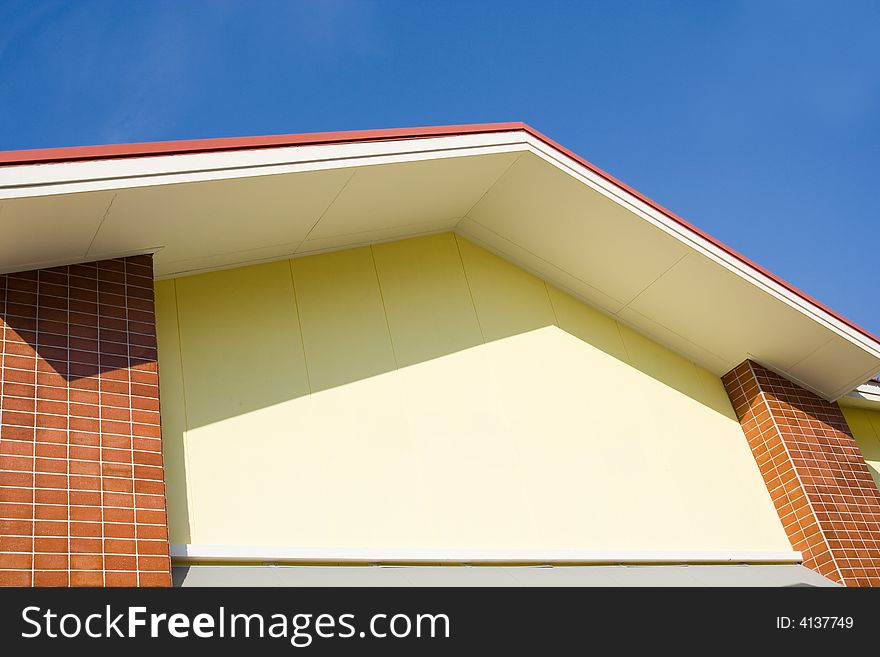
[(757, 121)]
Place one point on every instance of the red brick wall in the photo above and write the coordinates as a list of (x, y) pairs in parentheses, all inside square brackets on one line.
[(815, 472), (82, 499)]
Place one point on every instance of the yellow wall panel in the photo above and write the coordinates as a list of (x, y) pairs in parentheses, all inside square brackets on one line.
[(508, 300), (427, 301), (587, 323), (452, 402), (865, 425), (345, 332), (173, 410), (664, 365), (240, 339)]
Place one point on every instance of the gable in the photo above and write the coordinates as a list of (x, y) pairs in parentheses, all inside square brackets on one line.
[(427, 395), (507, 188)]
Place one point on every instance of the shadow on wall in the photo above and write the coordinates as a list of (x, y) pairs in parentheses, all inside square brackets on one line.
[(77, 322), (244, 339), (76, 339), (237, 341)]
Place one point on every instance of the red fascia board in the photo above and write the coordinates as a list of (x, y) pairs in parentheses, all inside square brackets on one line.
[(191, 146)]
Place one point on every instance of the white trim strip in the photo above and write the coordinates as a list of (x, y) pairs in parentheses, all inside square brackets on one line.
[(189, 552), (869, 390), (69, 177), (866, 395)]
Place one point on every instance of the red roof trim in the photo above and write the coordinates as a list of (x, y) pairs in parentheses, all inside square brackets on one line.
[(149, 149), (190, 146)]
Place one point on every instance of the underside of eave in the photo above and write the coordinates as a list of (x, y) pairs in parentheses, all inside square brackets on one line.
[(499, 201)]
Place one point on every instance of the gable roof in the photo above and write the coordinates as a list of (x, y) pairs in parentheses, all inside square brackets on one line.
[(207, 204)]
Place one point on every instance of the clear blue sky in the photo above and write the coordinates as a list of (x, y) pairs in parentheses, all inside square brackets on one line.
[(757, 121)]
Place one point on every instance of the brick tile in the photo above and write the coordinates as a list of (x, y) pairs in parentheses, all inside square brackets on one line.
[(814, 471), (82, 498)]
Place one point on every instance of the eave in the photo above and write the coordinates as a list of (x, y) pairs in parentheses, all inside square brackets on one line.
[(209, 204), (866, 395)]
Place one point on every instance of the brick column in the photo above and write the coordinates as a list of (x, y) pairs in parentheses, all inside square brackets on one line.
[(815, 472), (82, 498)]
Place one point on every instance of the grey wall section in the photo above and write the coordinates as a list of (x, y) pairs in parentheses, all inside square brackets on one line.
[(709, 575)]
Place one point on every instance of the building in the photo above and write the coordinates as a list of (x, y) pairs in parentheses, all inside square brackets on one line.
[(454, 345)]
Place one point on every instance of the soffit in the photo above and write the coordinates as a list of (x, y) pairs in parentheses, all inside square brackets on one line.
[(534, 204)]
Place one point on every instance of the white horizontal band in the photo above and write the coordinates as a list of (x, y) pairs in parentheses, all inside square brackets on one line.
[(188, 552)]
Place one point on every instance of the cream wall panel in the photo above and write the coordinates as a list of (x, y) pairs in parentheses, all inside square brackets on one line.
[(632, 457), (508, 300), (196, 222), (676, 343), (345, 332), (500, 246), (587, 324), (532, 205), (388, 195), (240, 339), (834, 361), (742, 318), (32, 233), (865, 425), (427, 301), (320, 469), (336, 242), (502, 446), (559, 429), (246, 258), (173, 409), (663, 365)]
